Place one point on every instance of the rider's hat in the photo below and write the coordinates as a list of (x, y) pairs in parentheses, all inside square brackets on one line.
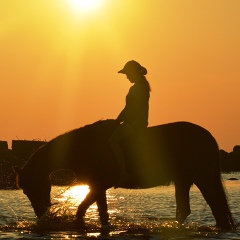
[(131, 66)]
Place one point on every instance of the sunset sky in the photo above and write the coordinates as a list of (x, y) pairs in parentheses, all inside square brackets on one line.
[(59, 61)]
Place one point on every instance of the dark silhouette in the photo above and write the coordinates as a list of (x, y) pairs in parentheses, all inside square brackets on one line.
[(18, 156), (180, 152), (230, 161), (3, 145), (21, 151), (134, 116)]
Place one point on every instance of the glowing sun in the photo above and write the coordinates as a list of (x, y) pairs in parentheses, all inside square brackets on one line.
[(84, 5)]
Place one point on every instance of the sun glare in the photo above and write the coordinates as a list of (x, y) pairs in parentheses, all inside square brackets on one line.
[(84, 5), (77, 193)]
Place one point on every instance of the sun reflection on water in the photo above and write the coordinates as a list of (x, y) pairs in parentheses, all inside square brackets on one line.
[(63, 210), (75, 194), (67, 202)]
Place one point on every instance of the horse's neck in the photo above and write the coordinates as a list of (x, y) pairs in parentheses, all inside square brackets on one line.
[(41, 164), (35, 166), (56, 155)]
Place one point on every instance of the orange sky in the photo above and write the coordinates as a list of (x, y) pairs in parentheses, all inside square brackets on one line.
[(59, 63)]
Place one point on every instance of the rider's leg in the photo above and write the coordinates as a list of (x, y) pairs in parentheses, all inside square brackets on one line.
[(122, 131)]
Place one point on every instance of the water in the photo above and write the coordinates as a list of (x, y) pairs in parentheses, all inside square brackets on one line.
[(134, 214)]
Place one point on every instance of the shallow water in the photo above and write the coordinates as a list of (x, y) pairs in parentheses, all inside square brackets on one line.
[(134, 214)]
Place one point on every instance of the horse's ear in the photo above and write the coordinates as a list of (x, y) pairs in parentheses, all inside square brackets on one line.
[(17, 170)]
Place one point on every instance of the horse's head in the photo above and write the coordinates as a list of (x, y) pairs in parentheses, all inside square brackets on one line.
[(37, 190)]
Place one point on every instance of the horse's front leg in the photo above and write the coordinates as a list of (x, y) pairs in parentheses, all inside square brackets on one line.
[(93, 196), (85, 204), (103, 208)]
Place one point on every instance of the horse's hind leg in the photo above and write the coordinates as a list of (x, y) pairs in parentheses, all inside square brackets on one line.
[(214, 194), (182, 200)]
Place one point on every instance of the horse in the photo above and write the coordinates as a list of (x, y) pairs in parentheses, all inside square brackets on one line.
[(181, 153)]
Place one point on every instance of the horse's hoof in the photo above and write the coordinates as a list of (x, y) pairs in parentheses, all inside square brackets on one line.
[(106, 226), (80, 222), (104, 220), (105, 229), (181, 218)]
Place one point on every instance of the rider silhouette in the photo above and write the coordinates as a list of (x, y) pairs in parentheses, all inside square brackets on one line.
[(134, 116)]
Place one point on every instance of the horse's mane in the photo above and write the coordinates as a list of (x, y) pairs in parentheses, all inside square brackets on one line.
[(100, 124), (86, 137), (98, 130), (102, 127)]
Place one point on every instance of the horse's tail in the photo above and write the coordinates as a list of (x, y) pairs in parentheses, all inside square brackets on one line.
[(222, 212)]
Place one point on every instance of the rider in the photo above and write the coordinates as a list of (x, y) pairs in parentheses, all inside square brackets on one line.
[(134, 116)]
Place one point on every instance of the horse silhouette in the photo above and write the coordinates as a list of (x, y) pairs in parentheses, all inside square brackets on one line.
[(180, 152)]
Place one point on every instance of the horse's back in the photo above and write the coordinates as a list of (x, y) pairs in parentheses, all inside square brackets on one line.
[(185, 141), (170, 150), (181, 136)]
